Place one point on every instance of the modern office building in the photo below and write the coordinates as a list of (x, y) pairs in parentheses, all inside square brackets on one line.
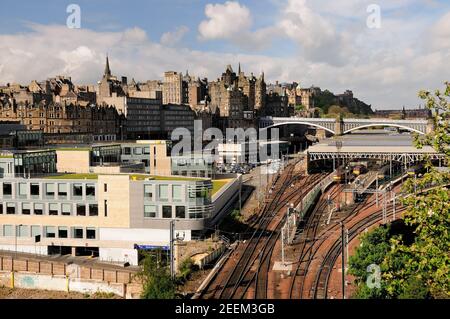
[(108, 216), (27, 163)]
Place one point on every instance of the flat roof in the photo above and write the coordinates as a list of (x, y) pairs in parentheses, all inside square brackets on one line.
[(378, 142), (92, 176)]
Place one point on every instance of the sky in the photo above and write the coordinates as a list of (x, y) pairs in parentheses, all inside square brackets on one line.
[(327, 43)]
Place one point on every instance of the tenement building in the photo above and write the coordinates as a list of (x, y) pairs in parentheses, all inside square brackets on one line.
[(142, 105), (237, 97)]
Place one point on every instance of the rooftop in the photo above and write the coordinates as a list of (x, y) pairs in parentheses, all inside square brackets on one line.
[(217, 184), (139, 177), (377, 142)]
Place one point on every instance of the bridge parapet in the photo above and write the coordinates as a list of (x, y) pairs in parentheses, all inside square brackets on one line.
[(343, 126)]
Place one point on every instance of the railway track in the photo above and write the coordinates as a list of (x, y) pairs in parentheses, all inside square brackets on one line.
[(262, 240), (309, 235), (297, 287), (320, 286), (256, 264)]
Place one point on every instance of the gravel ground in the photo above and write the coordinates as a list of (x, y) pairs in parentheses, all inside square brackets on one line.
[(18, 293)]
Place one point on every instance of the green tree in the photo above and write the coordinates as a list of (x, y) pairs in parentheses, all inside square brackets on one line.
[(427, 260), (373, 249), (156, 280), (185, 270)]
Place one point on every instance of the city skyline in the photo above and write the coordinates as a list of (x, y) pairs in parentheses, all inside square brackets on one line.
[(296, 41)]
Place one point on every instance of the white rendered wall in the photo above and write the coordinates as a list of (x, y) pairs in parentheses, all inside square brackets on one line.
[(120, 255), (159, 237), (40, 250)]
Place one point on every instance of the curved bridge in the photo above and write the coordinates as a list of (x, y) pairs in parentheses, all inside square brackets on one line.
[(336, 127)]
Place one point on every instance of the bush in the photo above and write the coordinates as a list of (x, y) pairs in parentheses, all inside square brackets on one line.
[(156, 280)]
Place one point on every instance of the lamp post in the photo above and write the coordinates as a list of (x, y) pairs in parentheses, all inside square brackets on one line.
[(338, 148), (343, 259), (15, 240)]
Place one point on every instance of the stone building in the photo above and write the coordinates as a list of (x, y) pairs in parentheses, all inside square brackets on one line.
[(62, 118), (173, 88), (237, 96)]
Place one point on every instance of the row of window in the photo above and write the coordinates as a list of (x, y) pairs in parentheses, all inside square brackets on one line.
[(52, 209), (177, 192), (137, 150), (49, 190), (26, 231)]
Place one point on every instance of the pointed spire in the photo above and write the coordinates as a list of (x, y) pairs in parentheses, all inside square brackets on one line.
[(239, 71), (107, 69)]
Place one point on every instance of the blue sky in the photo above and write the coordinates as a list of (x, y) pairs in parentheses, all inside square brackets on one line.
[(320, 42)]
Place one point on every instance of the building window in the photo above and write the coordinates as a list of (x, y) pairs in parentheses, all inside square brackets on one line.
[(78, 233), (26, 209), (93, 210), (150, 211), (38, 209), (62, 190), (8, 230), (106, 208), (163, 192), (148, 191), (10, 208), (23, 188), (50, 190), (35, 230), (77, 190), (50, 231), (66, 209), (53, 209), (7, 189), (138, 150), (34, 190), (81, 210), (90, 190), (180, 212), (127, 151), (105, 187), (23, 231), (195, 215), (63, 232), (90, 233), (177, 192), (167, 211), (1, 208)]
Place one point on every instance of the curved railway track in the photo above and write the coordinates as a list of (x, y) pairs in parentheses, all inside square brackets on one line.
[(263, 239), (320, 286), (310, 234), (297, 285)]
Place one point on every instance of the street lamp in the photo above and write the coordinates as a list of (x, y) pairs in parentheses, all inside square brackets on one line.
[(343, 258), (15, 240)]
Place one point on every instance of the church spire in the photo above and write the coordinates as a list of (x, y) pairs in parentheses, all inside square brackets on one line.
[(107, 69)]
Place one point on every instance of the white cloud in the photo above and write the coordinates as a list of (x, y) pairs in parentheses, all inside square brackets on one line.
[(224, 21), (173, 38), (385, 68)]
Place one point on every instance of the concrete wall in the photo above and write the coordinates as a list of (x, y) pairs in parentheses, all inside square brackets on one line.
[(119, 255), (223, 196), (32, 273)]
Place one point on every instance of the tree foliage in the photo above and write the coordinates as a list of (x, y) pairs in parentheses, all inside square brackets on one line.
[(426, 261), (417, 268), (156, 280), (372, 250)]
